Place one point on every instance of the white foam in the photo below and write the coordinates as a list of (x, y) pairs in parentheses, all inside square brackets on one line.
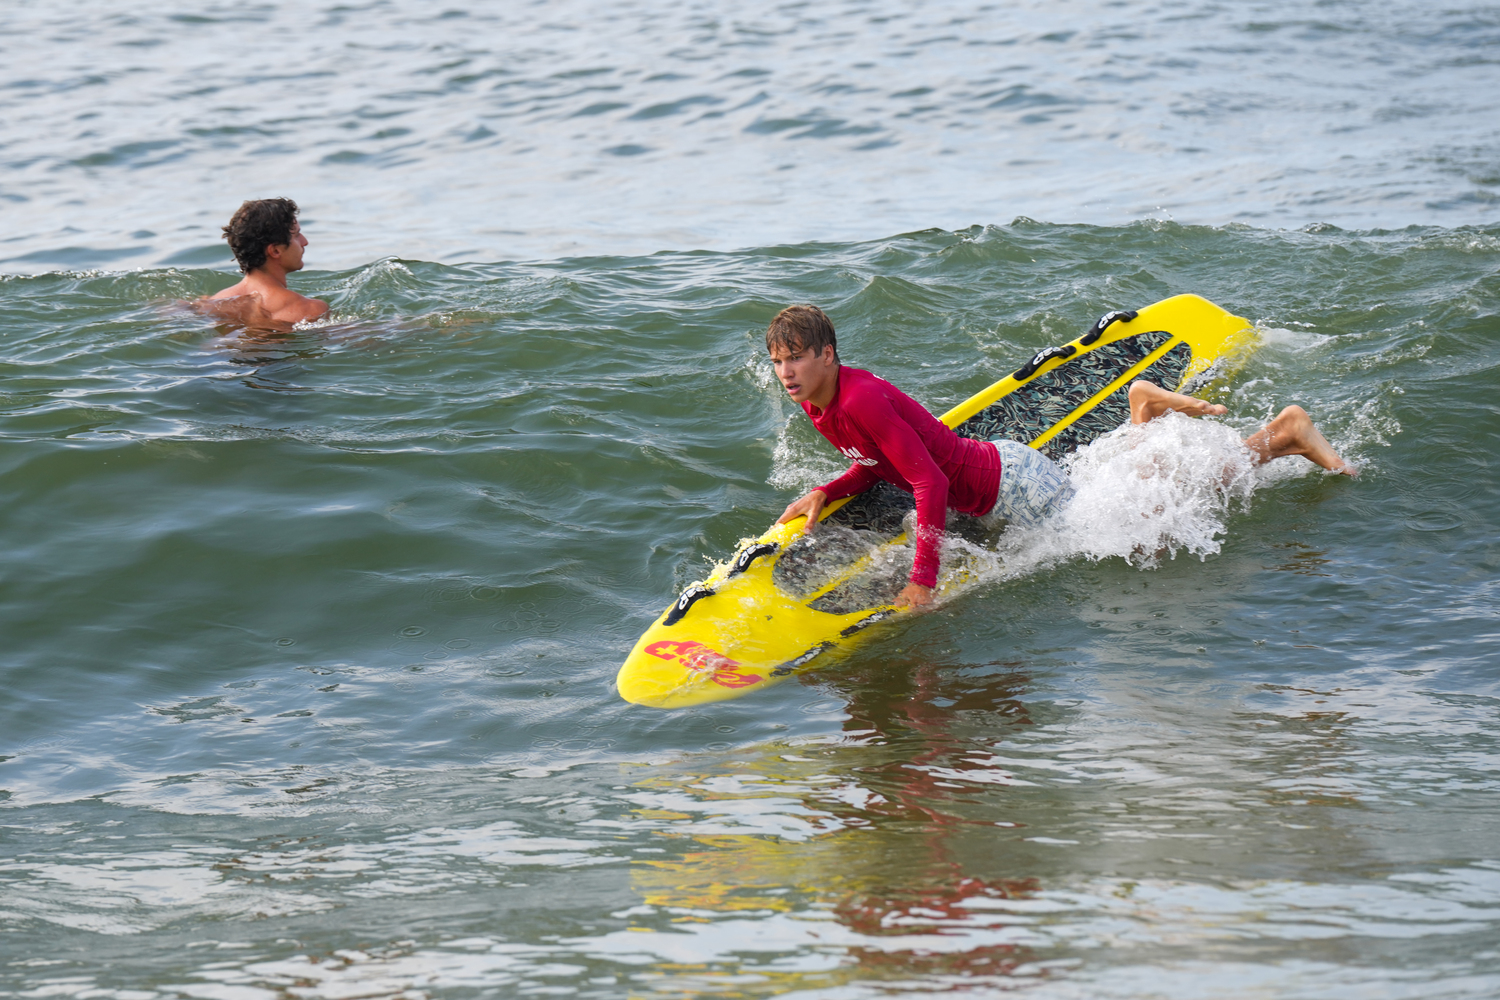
[(1370, 424), (1295, 341), (1145, 493), (324, 322), (802, 459), (764, 376)]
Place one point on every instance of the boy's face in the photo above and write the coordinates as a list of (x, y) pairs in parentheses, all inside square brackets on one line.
[(806, 376), (289, 254)]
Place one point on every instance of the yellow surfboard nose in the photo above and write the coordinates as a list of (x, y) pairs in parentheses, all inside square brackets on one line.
[(667, 673)]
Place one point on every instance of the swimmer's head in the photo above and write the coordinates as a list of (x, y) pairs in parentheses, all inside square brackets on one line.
[(257, 225), (802, 328)]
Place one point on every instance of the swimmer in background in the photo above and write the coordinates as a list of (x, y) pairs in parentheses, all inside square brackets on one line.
[(268, 244)]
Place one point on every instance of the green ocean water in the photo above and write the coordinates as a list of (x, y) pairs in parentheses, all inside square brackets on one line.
[(310, 641)]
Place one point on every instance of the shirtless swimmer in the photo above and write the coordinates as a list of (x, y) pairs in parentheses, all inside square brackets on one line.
[(268, 244)]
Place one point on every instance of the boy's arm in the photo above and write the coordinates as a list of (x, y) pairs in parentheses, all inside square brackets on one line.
[(906, 450), (296, 308), (856, 479)]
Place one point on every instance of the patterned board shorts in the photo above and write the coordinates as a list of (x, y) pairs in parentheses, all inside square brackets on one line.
[(1031, 485)]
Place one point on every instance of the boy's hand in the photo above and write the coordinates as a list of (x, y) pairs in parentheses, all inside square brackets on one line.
[(914, 596), (810, 505)]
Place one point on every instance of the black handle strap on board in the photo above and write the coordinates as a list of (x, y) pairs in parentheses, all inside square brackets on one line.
[(698, 591), (1027, 370), (749, 555), (1097, 330), (689, 597)]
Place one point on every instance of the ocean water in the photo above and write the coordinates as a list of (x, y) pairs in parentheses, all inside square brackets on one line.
[(462, 132), (310, 637)]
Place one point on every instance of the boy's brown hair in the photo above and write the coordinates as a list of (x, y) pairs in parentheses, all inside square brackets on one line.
[(256, 225), (802, 328)]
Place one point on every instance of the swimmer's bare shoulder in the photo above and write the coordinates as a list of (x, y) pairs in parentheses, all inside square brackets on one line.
[(237, 304), (260, 306)]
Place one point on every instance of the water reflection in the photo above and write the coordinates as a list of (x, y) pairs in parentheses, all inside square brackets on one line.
[(265, 347), (891, 869)]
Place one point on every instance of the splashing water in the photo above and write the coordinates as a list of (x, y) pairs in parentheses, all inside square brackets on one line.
[(1145, 493), (802, 460)]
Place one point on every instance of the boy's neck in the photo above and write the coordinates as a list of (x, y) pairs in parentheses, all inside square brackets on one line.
[(269, 273), (825, 398)]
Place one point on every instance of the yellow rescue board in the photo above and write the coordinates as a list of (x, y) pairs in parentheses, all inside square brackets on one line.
[(738, 631)]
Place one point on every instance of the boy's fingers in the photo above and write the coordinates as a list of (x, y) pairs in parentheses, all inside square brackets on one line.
[(794, 509), (811, 505)]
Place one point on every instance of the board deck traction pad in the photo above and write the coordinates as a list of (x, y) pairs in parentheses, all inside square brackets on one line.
[(1061, 400)]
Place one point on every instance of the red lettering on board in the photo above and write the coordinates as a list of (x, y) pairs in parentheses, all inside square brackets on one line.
[(670, 649), (699, 658), (728, 677)]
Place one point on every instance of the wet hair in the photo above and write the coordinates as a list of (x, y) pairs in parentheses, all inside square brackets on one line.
[(802, 328), (257, 225)]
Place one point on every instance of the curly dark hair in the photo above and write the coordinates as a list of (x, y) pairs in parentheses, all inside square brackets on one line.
[(257, 225), (801, 328)]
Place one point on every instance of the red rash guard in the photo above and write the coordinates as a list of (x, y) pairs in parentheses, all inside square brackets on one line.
[(891, 436)]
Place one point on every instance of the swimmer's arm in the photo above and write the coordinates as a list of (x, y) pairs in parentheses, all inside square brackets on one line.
[(304, 311)]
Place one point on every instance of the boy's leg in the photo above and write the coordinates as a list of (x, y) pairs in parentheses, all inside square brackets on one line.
[(1149, 401), (1293, 433)]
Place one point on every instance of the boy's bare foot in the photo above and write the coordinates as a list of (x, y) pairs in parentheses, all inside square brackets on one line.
[(1293, 433), (1149, 401)]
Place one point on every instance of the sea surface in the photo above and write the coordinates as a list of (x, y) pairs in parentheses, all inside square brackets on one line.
[(309, 638)]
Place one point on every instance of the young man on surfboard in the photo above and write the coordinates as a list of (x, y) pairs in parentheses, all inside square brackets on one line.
[(267, 243), (891, 436)]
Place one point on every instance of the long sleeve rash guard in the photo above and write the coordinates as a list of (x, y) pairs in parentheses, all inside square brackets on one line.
[(891, 436)]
